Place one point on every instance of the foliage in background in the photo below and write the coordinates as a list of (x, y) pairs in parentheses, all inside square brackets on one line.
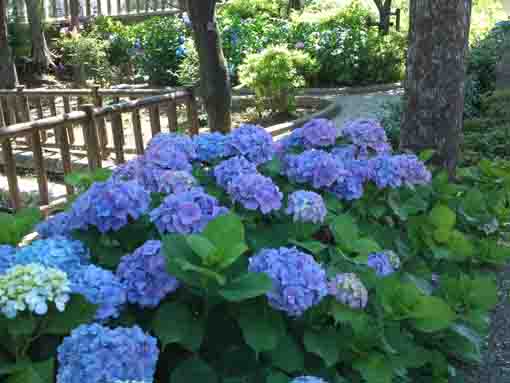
[(249, 9), (16, 226), (275, 74)]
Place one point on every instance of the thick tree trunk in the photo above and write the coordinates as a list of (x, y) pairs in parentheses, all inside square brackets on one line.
[(296, 4), (74, 10), (384, 8), (41, 55), (8, 77), (214, 77), (438, 43)]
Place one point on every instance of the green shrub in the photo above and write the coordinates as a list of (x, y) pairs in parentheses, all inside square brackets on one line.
[(496, 106), (16, 227), (188, 73), (274, 74), (248, 9)]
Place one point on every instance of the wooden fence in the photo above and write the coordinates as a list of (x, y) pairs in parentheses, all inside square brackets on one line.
[(91, 118)]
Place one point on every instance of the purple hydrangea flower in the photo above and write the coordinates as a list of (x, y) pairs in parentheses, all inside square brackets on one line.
[(255, 192), (97, 354), (299, 282), (316, 133), (181, 142), (175, 181), (110, 205), (308, 379), (368, 135), (306, 206), (413, 171), (187, 212), (345, 153), (130, 170), (316, 167), (350, 187), (7, 254), (212, 146), (348, 289), (100, 287), (395, 171), (229, 169), (168, 157), (145, 277), (381, 264), (252, 142)]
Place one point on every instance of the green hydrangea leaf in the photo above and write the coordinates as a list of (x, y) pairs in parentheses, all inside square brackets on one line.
[(225, 231), (324, 344), (288, 355), (345, 231), (442, 217), (374, 369), (262, 327), (432, 315), (193, 370), (247, 286), (78, 311)]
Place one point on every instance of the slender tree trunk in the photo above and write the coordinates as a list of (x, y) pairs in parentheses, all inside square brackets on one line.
[(8, 76), (41, 55), (214, 77), (295, 4), (384, 8), (438, 43), (74, 10)]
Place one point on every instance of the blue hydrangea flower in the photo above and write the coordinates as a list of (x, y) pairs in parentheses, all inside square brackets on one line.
[(350, 186), (413, 171), (175, 181), (32, 287), (381, 264), (57, 252), (227, 170), (130, 170), (145, 277), (187, 212), (308, 379), (97, 354), (168, 157), (252, 142), (60, 224), (7, 254), (110, 205), (316, 133), (181, 142), (348, 289), (299, 282), (100, 287), (306, 206), (395, 171), (368, 135), (255, 192), (345, 153), (212, 146), (316, 167)]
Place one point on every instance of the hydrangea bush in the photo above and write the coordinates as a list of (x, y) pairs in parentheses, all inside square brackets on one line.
[(325, 257)]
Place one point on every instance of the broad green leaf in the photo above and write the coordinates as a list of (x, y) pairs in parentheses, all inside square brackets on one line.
[(187, 267), (201, 246), (358, 319), (247, 286), (460, 246), (7, 369), (426, 155), (174, 323), (41, 372), (232, 254), (345, 230), (277, 377), (472, 352), (442, 217), (22, 325), (262, 327), (374, 368), (313, 247), (288, 355), (225, 231), (483, 293), (78, 311), (366, 246), (193, 370), (432, 315), (324, 344)]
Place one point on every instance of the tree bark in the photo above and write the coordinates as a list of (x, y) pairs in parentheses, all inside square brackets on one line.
[(214, 76), (8, 76), (384, 8), (74, 10), (438, 43), (41, 55)]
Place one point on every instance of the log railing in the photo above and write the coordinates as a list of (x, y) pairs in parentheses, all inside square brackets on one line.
[(91, 119)]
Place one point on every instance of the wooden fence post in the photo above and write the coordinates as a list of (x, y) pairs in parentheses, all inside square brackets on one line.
[(23, 109), (118, 134), (91, 141), (154, 120), (42, 177), (10, 167), (171, 113), (101, 129), (137, 130)]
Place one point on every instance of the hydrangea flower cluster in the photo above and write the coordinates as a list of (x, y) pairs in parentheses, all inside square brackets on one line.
[(6, 257), (368, 135), (145, 277), (252, 142), (395, 171), (187, 212), (308, 379), (130, 170), (168, 157), (383, 263), (166, 141), (255, 192), (316, 167), (61, 253), (97, 354), (212, 146), (31, 287), (175, 181), (316, 133), (60, 224), (229, 169), (299, 282), (306, 206), (351, 187), (348, 289), (100, 287), (108, 206)]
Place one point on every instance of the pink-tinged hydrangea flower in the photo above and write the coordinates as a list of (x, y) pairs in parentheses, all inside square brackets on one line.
[(381, 264), (177, 181), (395, 171), (212, 146), (255, 192), (316, 167), (187, 212), (306, 206), (348, 289), (368, 135), (109, 206), (252, 142), (229, 169), (308, 379), (100, 287), (299, 282), (316, 133), (97, 354), (145, 277), (351, 187), (181, 142)]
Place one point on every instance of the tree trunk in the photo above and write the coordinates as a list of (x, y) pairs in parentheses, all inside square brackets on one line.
[(384, 8), (295, 4), (214, 77), (438, 43), (74, 10), (41, 55), (8, 77)]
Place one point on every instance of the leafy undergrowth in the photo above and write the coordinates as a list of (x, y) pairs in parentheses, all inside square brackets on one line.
[(212, 260)]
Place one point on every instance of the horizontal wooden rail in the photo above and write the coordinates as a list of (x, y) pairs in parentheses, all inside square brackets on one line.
[(105, 92)]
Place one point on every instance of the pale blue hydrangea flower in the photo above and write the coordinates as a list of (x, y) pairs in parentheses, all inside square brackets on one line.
[(145, 277), (348, 289), (306, 206), (316, 133), (97, 354), (100, 287), (212, 146), (299, 282), (32, 288), (255, 192), (308, 379), (252, 142), (187, 212), (229, 169)]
